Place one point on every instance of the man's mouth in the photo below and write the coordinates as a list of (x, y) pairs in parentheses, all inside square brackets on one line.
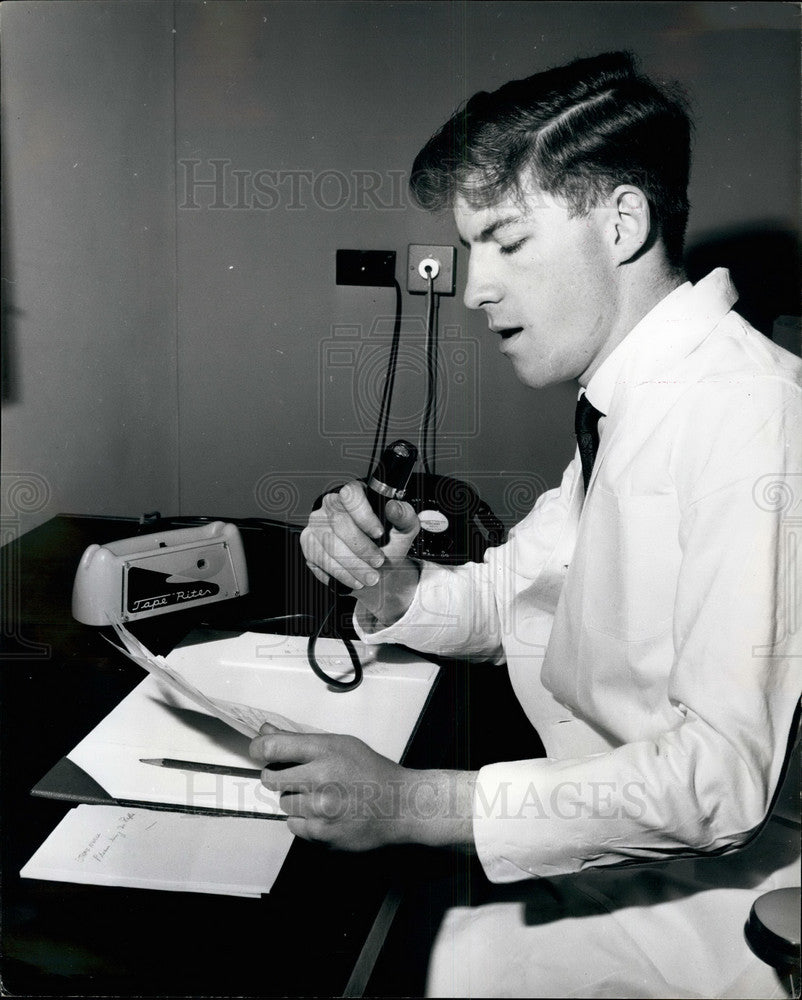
[(509, 331)]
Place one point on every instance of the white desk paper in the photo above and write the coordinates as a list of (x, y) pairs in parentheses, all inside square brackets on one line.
[(244, 719), (141, 848), (268, 674)]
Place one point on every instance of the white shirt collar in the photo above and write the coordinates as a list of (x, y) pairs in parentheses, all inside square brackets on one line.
[(709, 299)]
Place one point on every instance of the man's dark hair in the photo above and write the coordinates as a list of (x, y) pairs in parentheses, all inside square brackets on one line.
[(579, 131)]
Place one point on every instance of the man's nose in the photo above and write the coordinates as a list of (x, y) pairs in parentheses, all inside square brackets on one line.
[(482, 287)]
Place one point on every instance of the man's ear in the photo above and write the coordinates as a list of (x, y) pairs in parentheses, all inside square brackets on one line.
[(630, 221)]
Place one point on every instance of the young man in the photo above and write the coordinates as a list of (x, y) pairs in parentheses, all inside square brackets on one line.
[(645, 608)]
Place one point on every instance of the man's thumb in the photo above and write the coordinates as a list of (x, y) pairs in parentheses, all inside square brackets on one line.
[(403, 518)]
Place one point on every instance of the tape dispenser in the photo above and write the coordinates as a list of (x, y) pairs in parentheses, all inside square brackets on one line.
[(156, 573)]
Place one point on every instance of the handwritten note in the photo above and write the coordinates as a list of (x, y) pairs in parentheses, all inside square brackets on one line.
[(97, 849), (141, 848)]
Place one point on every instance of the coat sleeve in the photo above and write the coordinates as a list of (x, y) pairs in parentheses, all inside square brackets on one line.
[(460, 610)]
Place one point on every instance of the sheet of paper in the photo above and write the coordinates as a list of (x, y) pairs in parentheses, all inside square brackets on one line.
[(243, 718), (268, 674), (155, 849)]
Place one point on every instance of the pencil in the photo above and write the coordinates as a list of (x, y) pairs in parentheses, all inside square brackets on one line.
[(193, 765)]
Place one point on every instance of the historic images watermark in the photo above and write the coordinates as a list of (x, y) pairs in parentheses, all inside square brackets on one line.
[(337, 801), (21, 493), (780, 496), (216, 184), (352, 369), (351, 378), (280, 494)]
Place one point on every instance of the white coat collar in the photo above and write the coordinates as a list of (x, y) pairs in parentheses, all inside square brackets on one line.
[(667, 333), (671, 331)]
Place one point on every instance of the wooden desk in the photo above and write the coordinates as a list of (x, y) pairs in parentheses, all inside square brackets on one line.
[(315, 934), (319, 930)]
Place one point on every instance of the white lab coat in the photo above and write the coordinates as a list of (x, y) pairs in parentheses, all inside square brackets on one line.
[(652, 636)]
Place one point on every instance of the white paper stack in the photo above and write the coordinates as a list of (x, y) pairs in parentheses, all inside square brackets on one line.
[(181, 738), (155, 849), (261, 678)]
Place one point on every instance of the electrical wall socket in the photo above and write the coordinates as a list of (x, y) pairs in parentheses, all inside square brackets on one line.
[(366, 267), (446, 257)]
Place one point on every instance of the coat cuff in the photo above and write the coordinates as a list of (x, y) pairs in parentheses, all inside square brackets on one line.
[(427, 624)]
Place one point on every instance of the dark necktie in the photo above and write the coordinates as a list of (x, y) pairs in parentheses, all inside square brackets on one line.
[(586, 426)]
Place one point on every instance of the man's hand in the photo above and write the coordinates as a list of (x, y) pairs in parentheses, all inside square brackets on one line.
[(339, 543), (340, 792)]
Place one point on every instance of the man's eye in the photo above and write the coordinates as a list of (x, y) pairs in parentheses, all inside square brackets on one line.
[(510, 248)]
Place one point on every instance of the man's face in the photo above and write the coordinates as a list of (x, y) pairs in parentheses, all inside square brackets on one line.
[(546, 282)]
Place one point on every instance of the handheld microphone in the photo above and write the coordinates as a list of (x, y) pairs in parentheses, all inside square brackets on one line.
[(389, 479)]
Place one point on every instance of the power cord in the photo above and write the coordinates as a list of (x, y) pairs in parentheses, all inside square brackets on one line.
[(428, 427)]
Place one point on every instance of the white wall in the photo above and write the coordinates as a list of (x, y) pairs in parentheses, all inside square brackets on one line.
[(188, 366), (89, 408)]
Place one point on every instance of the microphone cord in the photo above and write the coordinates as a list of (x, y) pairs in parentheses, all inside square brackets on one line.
[(335, 682), (379, 443), (336, 590), (380, 438)]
